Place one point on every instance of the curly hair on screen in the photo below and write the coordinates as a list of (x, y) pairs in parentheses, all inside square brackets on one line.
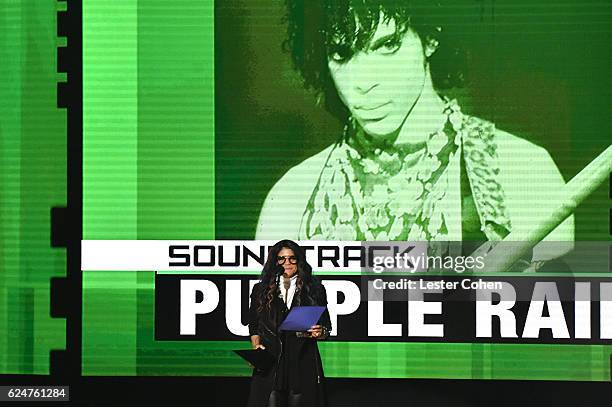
[(313, 26)]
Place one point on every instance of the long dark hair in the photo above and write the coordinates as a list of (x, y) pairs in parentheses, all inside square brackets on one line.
[(305, 281)]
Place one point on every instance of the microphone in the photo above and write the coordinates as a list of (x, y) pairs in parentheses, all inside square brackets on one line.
[(286, 283), (278, 270)]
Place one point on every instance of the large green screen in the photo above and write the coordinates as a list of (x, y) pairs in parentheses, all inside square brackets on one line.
[(192, 113)]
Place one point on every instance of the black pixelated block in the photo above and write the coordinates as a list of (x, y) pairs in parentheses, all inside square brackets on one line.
[(63, 59), (60, 297), (63, 23), (59, 227), (59, 363), (63, 90)]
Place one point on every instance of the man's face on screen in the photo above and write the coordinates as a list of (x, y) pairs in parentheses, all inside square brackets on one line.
[(380, 84), (287, 259)]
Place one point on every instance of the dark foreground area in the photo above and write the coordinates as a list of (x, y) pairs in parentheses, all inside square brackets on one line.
[(223, 391)]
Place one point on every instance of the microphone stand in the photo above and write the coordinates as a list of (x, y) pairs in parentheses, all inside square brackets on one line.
[(276, 312)]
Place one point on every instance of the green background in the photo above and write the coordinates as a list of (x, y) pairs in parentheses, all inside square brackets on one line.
[(161, 163), (32, 181)]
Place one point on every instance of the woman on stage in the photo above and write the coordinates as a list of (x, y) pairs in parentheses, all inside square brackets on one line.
[(297, 377)]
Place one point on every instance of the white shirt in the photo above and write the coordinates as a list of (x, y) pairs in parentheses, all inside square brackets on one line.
[(287, 295)]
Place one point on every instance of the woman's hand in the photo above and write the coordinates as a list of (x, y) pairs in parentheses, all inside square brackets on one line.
[(315, 332), (256, 342)]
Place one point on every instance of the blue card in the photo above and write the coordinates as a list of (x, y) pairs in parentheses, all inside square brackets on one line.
[(302, 318)]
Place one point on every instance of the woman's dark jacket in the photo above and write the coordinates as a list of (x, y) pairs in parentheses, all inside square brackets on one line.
[(303, 371)]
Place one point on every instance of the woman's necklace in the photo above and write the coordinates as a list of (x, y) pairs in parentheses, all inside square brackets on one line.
[(400, 186), (366, 193)]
